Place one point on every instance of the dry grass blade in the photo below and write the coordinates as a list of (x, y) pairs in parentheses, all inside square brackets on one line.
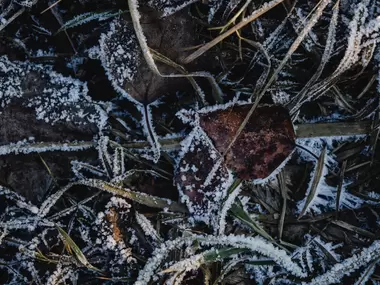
[(354, 229), (11, 19), (333, 129), (262, 10), (149, 56), (239, 213), (340, 186), (282, 184), (234, 18), (141, 198), (51, 6), (314, 185), (374, 141), (73, 248)]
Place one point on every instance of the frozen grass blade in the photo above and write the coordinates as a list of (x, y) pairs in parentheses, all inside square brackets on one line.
[(364, 277), (282, 185), (88, 17), (141, 198), (354, 229), (254, 244), (340, 185), (349, 265), (24, 147), (72, 247), (239, 213), (315, 183)]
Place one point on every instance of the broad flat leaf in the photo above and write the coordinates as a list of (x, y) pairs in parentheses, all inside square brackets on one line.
[(54, 97), (201, 178), (266, 141), (203, 175), (125, 65), (129, 72)]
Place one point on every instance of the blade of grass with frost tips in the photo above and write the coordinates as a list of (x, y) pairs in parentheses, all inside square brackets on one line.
[(141, 198), (208, 256), (326, 251), (330, 41), (335, 274), (73, 248), (88, 17), (25, 147), (254, 244), (239, 213), (316, 179)]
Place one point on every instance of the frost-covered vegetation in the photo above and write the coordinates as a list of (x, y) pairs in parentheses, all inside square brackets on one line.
[(208, 142)]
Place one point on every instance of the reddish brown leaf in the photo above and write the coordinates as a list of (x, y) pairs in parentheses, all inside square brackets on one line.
[(266, 141)]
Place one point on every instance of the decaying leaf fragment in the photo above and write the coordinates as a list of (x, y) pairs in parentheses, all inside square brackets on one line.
[(201, 177), (266, 141), (124, 63), (203, 173)]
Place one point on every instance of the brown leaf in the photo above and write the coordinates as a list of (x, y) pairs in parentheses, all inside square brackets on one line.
[(201, 175), (125, 65), (113, 218), (266, 141)]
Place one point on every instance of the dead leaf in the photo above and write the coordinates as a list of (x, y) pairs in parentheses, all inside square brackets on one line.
[(266, 141), (112, 218), (126, 68)]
